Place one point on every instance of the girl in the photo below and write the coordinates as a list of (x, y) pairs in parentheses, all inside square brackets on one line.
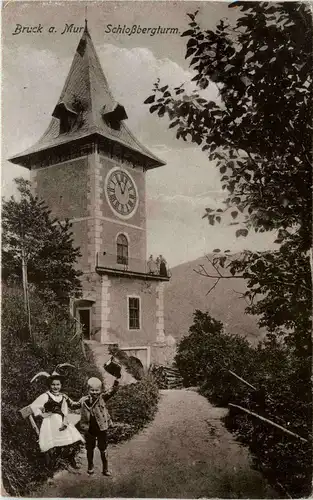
[(55, 430)]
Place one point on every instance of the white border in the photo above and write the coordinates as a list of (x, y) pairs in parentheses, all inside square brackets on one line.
[(140, 324), (120, 216)]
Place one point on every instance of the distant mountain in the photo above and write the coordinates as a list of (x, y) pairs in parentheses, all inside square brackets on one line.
[(187, 291)]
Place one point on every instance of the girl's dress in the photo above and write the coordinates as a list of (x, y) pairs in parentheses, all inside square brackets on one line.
[(50, 435)]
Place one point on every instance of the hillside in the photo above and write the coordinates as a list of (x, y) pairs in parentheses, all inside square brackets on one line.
[(187, 291)]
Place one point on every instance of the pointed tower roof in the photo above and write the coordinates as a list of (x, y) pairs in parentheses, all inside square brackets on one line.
[(86, 107)]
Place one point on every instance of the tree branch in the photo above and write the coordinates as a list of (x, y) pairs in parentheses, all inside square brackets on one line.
[(215, 277), (287, 431)]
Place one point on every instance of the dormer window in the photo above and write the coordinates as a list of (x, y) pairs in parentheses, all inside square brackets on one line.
[(115, 116), (66, 116)]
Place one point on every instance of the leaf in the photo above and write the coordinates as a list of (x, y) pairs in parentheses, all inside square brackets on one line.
[(222, 261), (191, 42), (216, 250), (211, 220), (187, 33), (174, 123), (154, 108), (241, 232), (150, 99), (236, 200), (161, 111), (189, 52)]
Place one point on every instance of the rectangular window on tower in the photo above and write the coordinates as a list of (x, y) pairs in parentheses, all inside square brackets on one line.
[(134, 313)]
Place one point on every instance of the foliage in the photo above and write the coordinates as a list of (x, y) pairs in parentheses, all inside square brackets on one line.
[(285, 397), (45, 244), (166, 377), (159, 375), (259, 134), (203, 355), (282, 393), (22, 461), (132, 408), (55, 341)]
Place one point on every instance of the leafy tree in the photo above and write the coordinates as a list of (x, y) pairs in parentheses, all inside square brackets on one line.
[(274, 384), (44, 244), (57, 341), (259, 135), (23, 465), (204, 355)]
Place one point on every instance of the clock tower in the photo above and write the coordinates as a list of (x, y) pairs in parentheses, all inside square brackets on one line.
[(89, 168)]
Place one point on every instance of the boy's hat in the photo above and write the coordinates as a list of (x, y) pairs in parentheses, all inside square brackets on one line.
[(113, 368), (94, 383)]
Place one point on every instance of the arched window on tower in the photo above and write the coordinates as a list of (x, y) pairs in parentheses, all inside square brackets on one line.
[(122, 249)]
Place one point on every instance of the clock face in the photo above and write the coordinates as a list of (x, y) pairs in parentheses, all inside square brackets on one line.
[(121, 193)]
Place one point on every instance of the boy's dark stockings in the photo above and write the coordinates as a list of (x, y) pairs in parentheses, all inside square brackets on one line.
[(100, 439), (90, 452), (104, 458)]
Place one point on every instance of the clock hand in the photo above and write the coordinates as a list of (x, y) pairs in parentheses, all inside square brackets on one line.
[(119, 183)]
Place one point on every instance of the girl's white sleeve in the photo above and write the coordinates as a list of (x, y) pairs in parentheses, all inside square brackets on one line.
[(38, 404)]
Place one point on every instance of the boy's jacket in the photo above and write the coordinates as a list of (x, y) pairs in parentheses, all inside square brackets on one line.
[(97, 408)]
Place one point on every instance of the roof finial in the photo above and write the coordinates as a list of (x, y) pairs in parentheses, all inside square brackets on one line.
[(86, 27)]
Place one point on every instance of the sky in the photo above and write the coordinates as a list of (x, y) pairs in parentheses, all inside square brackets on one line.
[(34, 69)]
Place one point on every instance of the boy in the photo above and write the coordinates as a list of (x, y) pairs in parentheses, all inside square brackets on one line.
[(95, 421)]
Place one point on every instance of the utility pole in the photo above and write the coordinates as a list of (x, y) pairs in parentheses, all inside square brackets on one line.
[(25, 284)]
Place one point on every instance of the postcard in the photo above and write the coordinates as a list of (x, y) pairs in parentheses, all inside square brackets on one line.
[(156, 249)]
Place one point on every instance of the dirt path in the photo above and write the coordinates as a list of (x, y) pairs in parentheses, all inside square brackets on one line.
[(184, 453)]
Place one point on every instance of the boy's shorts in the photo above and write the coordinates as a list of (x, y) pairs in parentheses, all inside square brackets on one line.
[(100, 439)]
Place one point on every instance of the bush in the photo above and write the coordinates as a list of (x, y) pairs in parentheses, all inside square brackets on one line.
[(203, 355), (132, 408), (285, 398), (282, 394), (55, 342), (160, 376)]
